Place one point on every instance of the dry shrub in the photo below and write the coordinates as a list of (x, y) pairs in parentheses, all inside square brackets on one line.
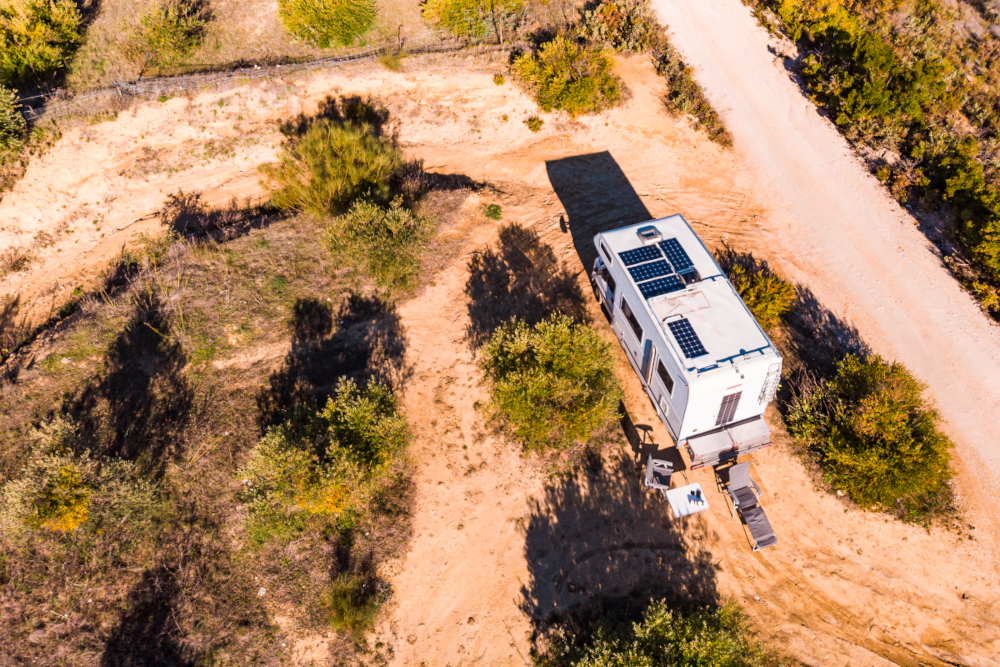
[(167, 33), (624, 25), (685, 96), (478, 19), (15, 259)]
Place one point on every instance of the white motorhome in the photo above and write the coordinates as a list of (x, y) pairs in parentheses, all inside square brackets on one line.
[(704, 360)]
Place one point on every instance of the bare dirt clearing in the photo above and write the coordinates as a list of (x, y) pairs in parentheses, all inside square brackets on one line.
[(498, 546)]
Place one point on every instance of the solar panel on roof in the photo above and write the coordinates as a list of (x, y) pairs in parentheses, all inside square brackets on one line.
[(675, 253), (686, 337), (643, 254), (652, 288), (650, 270)]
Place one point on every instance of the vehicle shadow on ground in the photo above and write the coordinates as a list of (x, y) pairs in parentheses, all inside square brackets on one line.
[(597, 197), (599, 545), (363, 340), (519, 278)]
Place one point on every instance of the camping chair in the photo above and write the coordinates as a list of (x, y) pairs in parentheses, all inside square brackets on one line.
[(744, 492), (658, 475)]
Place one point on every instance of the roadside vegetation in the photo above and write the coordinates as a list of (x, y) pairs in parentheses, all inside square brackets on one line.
[(716, 636), (569, 76), (166, 34), (552, 385), (916, 86), (876, 439), (36, 38), (861, 419)]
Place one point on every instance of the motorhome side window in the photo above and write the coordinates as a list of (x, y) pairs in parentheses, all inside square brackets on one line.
[(607, 254), (608, 279), (668, 381), (632, 322)]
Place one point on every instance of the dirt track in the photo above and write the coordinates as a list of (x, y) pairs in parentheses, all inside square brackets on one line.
[(498, 547)]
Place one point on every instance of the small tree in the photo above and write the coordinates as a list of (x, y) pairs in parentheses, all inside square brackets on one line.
[(718, 636), (876, 439), (565, 75), (36, 38), (332, 166), (767, 295), (553, 384), (12, 124), (326, 23)]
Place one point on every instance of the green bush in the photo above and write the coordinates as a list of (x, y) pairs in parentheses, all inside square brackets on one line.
[(493, 211), (768, 296), (685, 96), (624, 25), (324, 468), (36, 38), (553, 384), (534, 123), (877, 440), (12, 124), (384, 241), (332, 166), (167, 33), (711, 637), (572, 77), (477, 19), (327, 23)]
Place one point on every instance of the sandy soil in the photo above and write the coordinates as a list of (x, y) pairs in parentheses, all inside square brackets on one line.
[(498, 546)]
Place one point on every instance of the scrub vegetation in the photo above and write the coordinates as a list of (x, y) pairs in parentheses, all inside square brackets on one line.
[(917, 84), (326, 23), (162, 496), (876, 439), (553, 385), (568, 76), (716, 636)]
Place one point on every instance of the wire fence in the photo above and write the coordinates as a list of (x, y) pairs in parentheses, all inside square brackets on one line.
[(63, 103)]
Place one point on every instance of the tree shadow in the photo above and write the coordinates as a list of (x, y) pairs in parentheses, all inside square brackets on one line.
[(352, 110), (367, 343), (138, 406), (146, 632), (519, 278), (597, 196), (818, 338), (601, 545), (188, 216)]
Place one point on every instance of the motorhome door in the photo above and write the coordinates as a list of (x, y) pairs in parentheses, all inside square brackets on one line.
[(633, 334)]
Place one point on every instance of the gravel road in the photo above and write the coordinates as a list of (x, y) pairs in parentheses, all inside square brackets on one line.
[(834, 228)]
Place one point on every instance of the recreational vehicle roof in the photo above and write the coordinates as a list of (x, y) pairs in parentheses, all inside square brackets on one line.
[(699, 312)]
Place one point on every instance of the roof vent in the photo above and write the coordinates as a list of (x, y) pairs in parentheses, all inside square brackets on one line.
[(649, 235)]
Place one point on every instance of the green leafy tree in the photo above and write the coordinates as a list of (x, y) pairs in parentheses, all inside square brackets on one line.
[(330, 167), (327, 23), (710, 637), (577, 78), (12, 124), (876, 439), (36, 38), (553, 384)]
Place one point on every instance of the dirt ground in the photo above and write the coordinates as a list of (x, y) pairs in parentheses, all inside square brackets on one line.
[(500, 547)]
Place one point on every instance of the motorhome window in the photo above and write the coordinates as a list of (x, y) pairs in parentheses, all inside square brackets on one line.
[(668, 381), (609, 280), (608, 257), (632, 322)]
